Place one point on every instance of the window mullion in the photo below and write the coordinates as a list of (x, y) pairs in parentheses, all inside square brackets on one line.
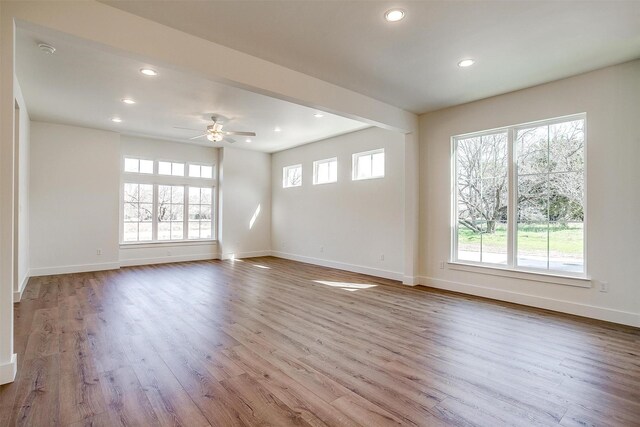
[(185, 212), (512, 207), (154, 218)]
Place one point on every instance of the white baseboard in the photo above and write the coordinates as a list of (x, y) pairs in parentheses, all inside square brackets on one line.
[(239, 255), (66, 269), (342, 266), (8, 370), (17, 295), (167, 259), (410, 280), (594, 312)]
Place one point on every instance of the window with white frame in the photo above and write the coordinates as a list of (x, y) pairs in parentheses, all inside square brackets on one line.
[(368, 164), (200, 171), (171, 168), (200, 204), (170, 212), (138, 212), (519, 200), (167, 208), (292, 176), (325, 171), (135, 165)]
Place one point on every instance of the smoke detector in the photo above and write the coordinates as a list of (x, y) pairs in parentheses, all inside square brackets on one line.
[(46, 48)]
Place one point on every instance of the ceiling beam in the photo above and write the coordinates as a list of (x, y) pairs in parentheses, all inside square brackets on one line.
[(164, 46)]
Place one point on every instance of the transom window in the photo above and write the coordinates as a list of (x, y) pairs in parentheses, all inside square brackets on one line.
[(325, 171), (134, 165), (368, 164), (171, 168), (292, 176), (200, 171), (519, 200)]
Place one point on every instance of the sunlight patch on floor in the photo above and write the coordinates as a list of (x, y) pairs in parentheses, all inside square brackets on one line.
[(346, 285)]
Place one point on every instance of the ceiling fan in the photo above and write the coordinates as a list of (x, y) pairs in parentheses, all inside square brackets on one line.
[(215, 133)]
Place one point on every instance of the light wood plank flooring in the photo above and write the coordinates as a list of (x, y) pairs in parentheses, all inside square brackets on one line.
[(266, 341)]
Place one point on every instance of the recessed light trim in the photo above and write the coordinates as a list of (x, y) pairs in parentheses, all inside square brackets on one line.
[(149, 72), (466, 63), (116, 120), (247, 140), (277, 129), (46, 48), (128, 101), (394, 15), (318, 115)]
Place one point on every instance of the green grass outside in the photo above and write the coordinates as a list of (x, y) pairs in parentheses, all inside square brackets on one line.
[(565, 241)]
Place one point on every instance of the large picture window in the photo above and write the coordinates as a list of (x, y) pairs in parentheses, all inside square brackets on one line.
[(519, 199), (167, 208)]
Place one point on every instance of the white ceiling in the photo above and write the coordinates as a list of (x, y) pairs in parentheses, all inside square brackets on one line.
[(412, 64), (83, 85)]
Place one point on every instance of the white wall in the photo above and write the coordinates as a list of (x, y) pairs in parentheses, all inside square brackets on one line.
[(610, 97), (348, 224), (73, 198), (22, 172), (245, 185), (155, 149)]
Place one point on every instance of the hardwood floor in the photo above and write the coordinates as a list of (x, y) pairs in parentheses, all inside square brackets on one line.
[(266, 341)]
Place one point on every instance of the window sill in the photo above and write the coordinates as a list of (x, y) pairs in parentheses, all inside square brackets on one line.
[(558, 279), (175, 243)]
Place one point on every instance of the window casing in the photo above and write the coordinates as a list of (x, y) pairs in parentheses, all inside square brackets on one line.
[(519, 198), (158, 208), (325, 171), (137, 165), (292, 176), (368, 165)]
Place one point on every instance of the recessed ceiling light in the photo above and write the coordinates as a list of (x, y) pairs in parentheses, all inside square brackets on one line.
[(148, 71), (466, 63), (277, 129), (46, 48), (116, 120), (394, 15), (128, 101), (318, 115), (248, 140)]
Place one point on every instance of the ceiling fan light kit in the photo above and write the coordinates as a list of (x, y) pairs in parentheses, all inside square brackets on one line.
[(214, 132)]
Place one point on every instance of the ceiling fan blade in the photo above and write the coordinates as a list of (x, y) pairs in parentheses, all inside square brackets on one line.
[(231, 132), (199, 136), (179, 127)]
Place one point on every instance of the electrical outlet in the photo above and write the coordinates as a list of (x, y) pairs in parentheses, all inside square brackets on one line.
[(321, 248), (98, 251), (382, 257), (604, 286), (441, 265), (168, 253)]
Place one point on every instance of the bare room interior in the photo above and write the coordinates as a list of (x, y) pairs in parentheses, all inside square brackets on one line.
[(319, 213)]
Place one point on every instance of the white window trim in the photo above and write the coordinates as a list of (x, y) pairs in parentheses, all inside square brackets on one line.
[(317, 163), (284, 175), (581, 279), (157, 179), (354, 164), (186, 168), (138, 158)]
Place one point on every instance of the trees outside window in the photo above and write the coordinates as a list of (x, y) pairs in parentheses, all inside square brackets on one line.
[(541, 224)]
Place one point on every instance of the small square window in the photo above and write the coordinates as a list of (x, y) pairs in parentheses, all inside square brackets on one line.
[(325, 171), (292, 176), (368, 165)]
